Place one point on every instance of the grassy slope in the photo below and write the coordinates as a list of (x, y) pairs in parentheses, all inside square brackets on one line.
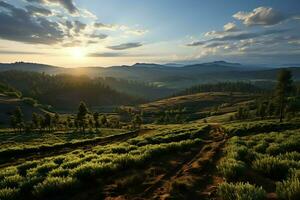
[(197, 102), (9, 104)]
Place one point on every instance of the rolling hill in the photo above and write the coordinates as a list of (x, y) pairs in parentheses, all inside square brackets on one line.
[(165, 75), (8, 105)]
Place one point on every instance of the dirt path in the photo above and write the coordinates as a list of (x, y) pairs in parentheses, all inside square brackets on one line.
[(191, 178)]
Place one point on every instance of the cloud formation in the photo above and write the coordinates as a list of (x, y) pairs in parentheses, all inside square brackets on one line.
[(238, 36), (227, 28), (67, 4), (106, 54), (261, 16), (19, 25), (125, 46), (100, 36), (33, 10)]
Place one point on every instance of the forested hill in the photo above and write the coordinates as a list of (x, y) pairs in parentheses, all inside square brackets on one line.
[(65, 91), (244, 87)]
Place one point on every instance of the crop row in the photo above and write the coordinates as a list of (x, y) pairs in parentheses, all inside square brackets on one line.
[(23, 151), (63, 174), (273, 155)]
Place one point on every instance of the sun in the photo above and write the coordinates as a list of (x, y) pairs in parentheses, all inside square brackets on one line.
[(78, 53)]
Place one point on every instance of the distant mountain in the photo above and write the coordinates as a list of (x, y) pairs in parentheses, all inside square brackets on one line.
[(35, 67), (165, 75), (174, 65)]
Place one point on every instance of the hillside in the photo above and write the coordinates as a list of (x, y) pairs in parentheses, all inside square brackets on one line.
[(9, 104), (196, 102), (65, 91), (165, 75)]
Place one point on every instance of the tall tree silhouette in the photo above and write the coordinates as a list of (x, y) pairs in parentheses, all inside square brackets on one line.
[(81, 115), (283, 89)]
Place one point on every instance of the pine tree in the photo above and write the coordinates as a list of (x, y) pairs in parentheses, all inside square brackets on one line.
[(96, 120), (36, 120), (103, 121), (48, 121), (283, 89), (17, 119), (81, 115)]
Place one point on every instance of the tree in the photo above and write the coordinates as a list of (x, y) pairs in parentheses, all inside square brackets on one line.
[(137, 121), (96, 120), (36, 120), (261, 110), (69, 122), (56, 120), (48, 121), (16, 120), (81, 115), (283, 89), (271, 109), (103, 120)]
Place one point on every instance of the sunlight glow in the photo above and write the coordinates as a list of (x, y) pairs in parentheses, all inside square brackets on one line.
[(78, 53)]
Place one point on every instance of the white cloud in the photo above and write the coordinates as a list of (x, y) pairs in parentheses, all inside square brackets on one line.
[(230, 27), (265, 16)]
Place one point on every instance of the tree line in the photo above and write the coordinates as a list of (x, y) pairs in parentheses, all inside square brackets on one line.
[(284, 102), (83, 120), (64, 91), (239, 86)]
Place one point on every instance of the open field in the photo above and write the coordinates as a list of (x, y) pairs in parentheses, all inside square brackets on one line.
[(166, 162), (196, 102), (24, 140)]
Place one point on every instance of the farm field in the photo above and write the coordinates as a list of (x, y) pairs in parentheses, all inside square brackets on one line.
[(205, 161), (23, 140)]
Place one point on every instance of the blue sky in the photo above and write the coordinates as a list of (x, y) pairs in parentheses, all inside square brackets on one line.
[(75, 33)]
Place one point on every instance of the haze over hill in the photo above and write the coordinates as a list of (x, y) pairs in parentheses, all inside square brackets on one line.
[(165, 75)]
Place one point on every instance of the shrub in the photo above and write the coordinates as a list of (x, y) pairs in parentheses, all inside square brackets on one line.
[(45, 168), (9, 194), (261, 147), (231, 169), (91, 171), (54, 185), (289, 189), (241, 191), (274, 167), (11, 181), (24, 167), (59, 172), (290, 156)]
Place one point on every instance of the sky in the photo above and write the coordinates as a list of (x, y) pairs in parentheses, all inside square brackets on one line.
[(84, 33)]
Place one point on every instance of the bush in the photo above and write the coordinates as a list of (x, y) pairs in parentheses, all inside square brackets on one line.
[(54, 185), (241, 191), (9, 194), (24, 167), (274, 167), (261, 147), (231, 169), (11, 181), (289, 189)]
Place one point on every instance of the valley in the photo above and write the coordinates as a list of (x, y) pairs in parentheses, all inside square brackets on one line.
[(210, 141)]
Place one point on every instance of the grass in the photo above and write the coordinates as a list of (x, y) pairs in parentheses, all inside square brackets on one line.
[(289, 189), (241, 191), (52, 175), (18, 151), (27, 140), (274, 156)]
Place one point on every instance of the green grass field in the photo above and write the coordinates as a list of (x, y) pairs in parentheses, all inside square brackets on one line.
[(12, 139)]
